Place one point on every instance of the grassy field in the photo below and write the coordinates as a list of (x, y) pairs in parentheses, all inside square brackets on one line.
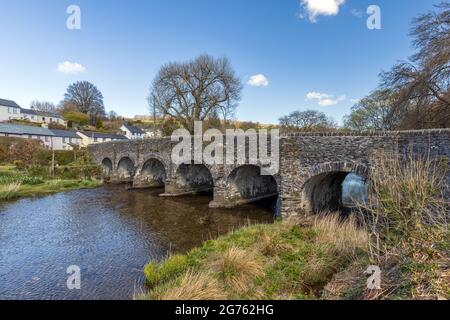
[(15, 184)]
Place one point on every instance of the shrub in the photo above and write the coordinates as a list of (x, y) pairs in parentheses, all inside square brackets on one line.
[(24, 150), (78, 172), (39, 171), (62, 157), (406, 201)]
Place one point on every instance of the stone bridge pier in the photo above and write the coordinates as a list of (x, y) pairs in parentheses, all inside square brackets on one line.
[(313, 167)]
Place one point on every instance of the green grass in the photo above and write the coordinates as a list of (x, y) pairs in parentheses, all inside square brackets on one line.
[(15, 184), (52, 186), (9, 191), (277, 261), (19, 178)]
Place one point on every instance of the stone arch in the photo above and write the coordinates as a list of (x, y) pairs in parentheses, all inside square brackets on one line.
[(193, 178), (125, 168), (107, 166), (152, 174), (322, 187), (247, 183)]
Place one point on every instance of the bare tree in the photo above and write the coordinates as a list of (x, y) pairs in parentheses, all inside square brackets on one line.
[(421, 84), (43, 106), (204, 88), (309, 120), (87, 98), (374, 112)]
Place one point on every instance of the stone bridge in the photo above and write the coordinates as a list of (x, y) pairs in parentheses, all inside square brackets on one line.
[(313, 167)]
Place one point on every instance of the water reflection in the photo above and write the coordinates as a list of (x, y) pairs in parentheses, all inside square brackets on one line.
[(109, 232), (354, 190)]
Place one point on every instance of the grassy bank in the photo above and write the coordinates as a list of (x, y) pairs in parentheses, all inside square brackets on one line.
[(279, 261), (20, 183), (402, 229)]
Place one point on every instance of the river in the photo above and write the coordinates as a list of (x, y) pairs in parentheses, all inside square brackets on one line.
[(109, 233)]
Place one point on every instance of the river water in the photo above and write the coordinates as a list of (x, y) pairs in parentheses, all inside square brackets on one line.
[(109, 233)]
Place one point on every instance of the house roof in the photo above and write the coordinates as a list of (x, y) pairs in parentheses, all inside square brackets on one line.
[(40, 113), (93, 134), (65, 133), (133, 129), (20, 129), (8, 103)]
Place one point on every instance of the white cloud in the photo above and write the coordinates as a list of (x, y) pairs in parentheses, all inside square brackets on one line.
[(68, 67), (258, 80), (357, 13), (324, 99), (316, 8), (355, 101)]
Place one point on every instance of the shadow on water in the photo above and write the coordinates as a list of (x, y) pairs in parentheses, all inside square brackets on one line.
[(110, 233)]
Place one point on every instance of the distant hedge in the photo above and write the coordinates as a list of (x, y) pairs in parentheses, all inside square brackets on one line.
[(28, 152)]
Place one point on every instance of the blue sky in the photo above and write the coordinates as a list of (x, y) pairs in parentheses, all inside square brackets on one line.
[(121, 45)]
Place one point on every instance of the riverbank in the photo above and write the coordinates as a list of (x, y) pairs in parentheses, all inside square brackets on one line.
[(16, 183), (319, 259), (285, 260)]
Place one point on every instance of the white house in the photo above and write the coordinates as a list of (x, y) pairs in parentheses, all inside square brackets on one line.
[(66, 139), (132, 132), (9, 110), (90, 137), (42, 117)]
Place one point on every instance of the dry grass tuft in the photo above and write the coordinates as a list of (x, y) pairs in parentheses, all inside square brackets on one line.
[(239, 267), (195, 286), (406, 201), (346, 236), (271, 246)]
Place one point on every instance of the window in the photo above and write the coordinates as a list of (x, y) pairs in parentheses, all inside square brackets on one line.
[(30, 136), (47, 139), (43, 119), (64, 140), (95, 140), (70, 140)]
